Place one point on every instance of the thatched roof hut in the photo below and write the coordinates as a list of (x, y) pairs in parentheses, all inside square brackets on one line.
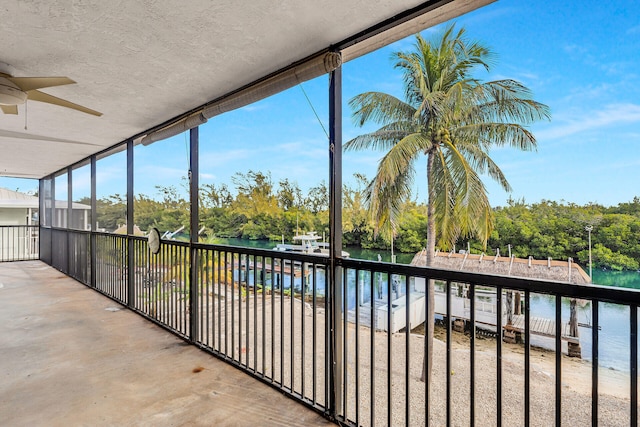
[(562, 271), (122, 229)]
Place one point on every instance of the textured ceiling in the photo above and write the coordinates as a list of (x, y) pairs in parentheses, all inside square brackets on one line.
[(144, 62)]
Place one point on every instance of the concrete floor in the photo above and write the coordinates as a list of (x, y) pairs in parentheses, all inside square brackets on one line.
[(70, 356)]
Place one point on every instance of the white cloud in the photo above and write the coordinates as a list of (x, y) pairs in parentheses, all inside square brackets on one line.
[(221, 158), (208, 176), (574, 48), (289, 146), (634, 30), (255, 107), (163, 171), (366, 159), (582, 93), (609, 115), (301, 149), (628, 163)]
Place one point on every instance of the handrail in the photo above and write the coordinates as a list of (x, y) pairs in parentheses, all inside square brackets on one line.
[(19, 242), (611, 294), (269, 313)]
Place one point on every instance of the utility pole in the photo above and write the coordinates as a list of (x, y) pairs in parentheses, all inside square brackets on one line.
[(588, 228)]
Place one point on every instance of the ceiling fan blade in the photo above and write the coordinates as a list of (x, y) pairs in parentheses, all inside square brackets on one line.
[(36, 95), (23, 135), (31, 83), (9, 109), (12, 174)]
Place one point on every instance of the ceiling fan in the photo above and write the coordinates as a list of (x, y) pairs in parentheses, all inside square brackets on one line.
[(16, 91)]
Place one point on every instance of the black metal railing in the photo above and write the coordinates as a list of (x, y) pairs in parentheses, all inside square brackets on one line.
[(111, 265), (161, 284), (381, 368), (351, 343), (265, 312), (19, 242), (79, 255)]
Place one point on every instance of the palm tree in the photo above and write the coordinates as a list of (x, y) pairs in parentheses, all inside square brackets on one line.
[(454, 120)]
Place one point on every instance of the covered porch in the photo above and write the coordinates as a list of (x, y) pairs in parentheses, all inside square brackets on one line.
[(166, 332), (71, 356)]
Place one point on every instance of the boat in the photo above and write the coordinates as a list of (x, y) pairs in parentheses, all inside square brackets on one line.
[(309, 244)]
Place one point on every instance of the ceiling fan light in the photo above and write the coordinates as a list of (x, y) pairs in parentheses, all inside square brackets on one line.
[(10, 95)]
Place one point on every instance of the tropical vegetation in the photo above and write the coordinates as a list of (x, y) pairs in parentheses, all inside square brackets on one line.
[(542, 229), (453, 119)]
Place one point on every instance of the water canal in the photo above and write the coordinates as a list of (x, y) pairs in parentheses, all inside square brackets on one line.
[(614, 319)]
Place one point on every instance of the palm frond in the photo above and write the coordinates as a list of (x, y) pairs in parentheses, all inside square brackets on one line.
[(385, 199), (498, 135), (389, 188), (379, 107), (401, 156), (382, 139), (482, 163), (506, 101)]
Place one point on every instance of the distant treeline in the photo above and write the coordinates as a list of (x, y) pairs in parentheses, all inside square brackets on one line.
[(258, 209)]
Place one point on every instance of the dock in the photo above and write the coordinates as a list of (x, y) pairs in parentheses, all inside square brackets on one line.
[(486, 316), (543, 327), (365, 312), (268, 268)]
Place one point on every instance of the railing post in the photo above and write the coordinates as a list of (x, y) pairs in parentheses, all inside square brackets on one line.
[(335, 238), (194, 225)]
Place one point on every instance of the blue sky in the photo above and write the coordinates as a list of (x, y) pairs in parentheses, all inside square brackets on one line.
[(580, 58)]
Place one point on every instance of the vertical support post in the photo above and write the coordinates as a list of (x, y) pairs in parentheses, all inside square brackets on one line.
[(558, 339), (41, 203), (527, 358), (449, 352), (472, 355), (195, 225), (595, 364), (335, 239), (633, 336), (52, 208), (94, 223), (68, 219), (130, 227), (194, 183), (41, 214), (500, 331)]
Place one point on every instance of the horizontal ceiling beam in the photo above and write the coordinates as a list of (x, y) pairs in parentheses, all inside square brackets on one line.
[(310, 69), (416, 19)]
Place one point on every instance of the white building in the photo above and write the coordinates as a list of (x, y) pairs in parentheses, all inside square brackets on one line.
[(20, 209)]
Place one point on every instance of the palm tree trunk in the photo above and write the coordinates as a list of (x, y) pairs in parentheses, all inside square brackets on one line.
[(431, 249)]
